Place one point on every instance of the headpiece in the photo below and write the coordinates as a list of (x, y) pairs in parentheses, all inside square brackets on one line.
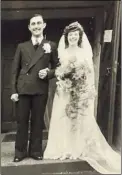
[(73, 27)]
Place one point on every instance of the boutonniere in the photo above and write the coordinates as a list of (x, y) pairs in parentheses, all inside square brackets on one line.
[(47, 48)]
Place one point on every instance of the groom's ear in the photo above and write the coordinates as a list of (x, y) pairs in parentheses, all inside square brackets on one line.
[(44, 25), (29, 27)]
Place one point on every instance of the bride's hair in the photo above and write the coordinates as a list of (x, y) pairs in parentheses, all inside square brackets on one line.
[(72, 28)]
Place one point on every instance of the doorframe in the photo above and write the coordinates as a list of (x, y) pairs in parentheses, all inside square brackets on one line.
[(114, 66)]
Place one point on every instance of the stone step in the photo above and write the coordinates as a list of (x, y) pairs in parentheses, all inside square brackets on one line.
[(49, 169), (30, 167)]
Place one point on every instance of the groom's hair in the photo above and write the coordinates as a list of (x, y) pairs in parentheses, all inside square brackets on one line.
[(35, 15)]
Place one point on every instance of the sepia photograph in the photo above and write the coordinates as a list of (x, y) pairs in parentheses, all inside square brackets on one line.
[(60, 87)]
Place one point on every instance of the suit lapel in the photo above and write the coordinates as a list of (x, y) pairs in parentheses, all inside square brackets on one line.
[(30, 49), (37, 54)]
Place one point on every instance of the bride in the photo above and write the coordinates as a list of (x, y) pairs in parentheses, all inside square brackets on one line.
[(74, 133)]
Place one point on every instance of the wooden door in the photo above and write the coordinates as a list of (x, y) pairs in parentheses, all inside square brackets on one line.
[(108, 73), (12, 33)]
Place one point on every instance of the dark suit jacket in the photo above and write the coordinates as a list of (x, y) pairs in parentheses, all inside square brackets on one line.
[(26, 65)]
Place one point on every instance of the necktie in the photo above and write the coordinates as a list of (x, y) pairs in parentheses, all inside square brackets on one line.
[(36, 45)]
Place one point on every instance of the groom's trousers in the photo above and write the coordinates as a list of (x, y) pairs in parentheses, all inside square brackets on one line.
[(30, 107)]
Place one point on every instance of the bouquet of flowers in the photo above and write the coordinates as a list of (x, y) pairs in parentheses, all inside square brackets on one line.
[(72, 77)]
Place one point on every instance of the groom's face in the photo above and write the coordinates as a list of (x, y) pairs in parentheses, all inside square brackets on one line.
[(37, 26)]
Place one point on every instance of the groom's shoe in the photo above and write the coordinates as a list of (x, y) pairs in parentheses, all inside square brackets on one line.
[(19, 156), (36, 157), (18, 159)]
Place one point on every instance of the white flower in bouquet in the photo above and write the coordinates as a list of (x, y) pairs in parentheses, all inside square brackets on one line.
[(59, 72), (64, 85), (68, 85)]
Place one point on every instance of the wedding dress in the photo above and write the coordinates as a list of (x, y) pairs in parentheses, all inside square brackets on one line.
[(76, 135)]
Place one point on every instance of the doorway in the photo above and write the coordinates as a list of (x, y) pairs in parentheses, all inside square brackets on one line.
[(16, 31)]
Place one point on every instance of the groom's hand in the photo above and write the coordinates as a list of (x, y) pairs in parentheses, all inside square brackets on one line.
[(43, 73), (14, 97)]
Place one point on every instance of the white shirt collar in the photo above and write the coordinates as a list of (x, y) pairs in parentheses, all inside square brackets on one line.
[(36, 40)]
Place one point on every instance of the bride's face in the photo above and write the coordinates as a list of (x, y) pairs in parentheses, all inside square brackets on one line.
[(73, 38)]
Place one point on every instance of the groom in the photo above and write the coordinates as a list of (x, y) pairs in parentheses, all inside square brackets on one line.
[(30, 80)]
